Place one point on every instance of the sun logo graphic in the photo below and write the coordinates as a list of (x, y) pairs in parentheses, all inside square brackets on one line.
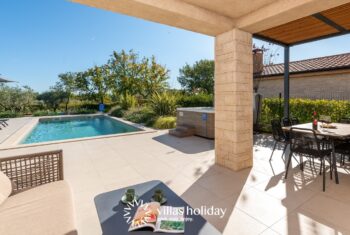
[(145, 211), (129, 208)]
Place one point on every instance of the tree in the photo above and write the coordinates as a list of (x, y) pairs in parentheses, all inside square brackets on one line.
[(132, 76), (126, 70), (101, 81), (83, 85), (16, 99), (54, 97), (68, 83), (153, 78), (199, 77), (28, 98)]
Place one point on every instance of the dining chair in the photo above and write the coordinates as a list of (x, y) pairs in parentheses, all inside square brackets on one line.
[(290, 121), (344, 120), (325, 119), (344, 150), (304, 142), (279, 136), (343, 147)]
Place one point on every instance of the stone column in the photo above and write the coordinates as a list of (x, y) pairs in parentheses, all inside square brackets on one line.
[(234, 100)]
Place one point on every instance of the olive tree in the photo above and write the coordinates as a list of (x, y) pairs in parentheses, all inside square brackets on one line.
[(16, 99)]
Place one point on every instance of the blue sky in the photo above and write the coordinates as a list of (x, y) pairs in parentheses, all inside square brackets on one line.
[(40, 39)]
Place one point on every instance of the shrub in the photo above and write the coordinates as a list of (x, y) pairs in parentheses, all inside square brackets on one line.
[(93, 107), (163, 104), (127, 101), (117, 112), (9, 114), (303, 109), (140, 115), (84, 111), (165, 122), (196, 100), (45, 113)]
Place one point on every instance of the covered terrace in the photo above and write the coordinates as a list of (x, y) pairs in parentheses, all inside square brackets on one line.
[(234, 23)]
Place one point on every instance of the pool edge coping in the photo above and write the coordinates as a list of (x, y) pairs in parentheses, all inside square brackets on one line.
[(25, 130)]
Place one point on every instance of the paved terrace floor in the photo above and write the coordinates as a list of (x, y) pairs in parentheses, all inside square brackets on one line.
[(258, 200), (14, 125)]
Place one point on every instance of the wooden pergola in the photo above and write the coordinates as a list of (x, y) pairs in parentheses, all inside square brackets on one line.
[(326, 24)]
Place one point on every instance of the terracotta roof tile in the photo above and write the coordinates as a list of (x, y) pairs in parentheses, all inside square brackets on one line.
[(309, 65)]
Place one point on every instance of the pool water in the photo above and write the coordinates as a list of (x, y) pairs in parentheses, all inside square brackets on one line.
[(80, 127)]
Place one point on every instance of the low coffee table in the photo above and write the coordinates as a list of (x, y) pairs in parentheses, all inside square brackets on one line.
[(113, 222)]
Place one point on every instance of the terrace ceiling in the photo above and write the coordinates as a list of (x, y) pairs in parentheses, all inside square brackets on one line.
[(328, 23), (230, 8), (213, 17)]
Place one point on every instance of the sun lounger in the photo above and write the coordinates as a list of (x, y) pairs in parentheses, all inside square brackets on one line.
[(3, 122)]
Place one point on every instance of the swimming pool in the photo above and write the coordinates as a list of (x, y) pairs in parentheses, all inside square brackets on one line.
[(54, 129)]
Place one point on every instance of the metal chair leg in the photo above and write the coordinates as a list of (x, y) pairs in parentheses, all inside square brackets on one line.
[(284, 149), (331, 166), (274, 147), (301, 164), (324, 175), (288, 163)]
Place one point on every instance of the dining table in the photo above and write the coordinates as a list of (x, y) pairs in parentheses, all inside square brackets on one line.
[(333, 132)]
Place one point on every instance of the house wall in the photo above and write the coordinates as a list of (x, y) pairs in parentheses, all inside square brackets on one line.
[(322, 85)]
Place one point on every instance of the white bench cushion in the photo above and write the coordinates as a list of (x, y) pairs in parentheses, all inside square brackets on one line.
[(46, 209), (5, 187)]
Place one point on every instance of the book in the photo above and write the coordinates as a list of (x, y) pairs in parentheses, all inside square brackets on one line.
[(160, 218)]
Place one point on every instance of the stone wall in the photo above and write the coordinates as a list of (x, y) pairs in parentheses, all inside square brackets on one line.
[(321, 85)]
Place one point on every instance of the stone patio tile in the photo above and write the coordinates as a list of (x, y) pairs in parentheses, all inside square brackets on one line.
[(110, 160), (123, 183), (114, 174), (331, 210), (339, 191), (303, 223), (179, 183), (287, 192), (269, 232), (262, 207), (254, 198), (223, 185), (241, 223)]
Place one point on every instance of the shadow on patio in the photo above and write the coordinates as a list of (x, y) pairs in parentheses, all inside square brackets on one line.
[(195, 145), (260, 200), (218, 188)]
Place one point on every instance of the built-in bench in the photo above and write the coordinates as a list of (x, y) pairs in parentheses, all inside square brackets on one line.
[(34, 198)]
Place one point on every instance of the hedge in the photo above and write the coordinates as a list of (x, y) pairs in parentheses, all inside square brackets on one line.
[(86, 106), (196, 100), (272, 108), (9, 114)]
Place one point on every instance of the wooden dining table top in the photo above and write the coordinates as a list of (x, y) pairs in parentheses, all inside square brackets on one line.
[(341, 130)]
